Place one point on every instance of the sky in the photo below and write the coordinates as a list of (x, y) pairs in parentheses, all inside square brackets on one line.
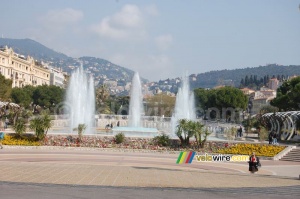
[(162, 38)]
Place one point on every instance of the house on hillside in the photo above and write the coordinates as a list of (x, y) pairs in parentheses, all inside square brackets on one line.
[(247, 91), (262, 98)]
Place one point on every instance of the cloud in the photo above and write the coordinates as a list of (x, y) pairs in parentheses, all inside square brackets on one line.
[(62, 17), (163, 42), (125, 24), (152, 10), (129, 16)]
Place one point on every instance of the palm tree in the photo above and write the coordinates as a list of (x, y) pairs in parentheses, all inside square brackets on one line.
[(19, 127), (40, 125), (200, 134), (81, 128), (184, 131), (102, 95)]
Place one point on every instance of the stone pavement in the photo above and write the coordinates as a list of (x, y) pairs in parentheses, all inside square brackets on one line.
[(134, 169)]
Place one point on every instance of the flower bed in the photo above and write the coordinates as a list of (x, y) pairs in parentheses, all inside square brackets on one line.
[(143, 143), (22, 141), (247, 149)]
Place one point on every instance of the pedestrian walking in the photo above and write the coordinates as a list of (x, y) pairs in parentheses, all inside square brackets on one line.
[(253, 163)]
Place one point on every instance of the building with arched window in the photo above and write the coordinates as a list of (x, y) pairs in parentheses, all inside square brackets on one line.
[(22, 70)]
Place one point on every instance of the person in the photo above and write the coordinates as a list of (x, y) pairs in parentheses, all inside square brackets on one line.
[(270, 137), (6, 123), (240, 131), (118, 123), (1, 138), (253, 163), (274, 141), (111, 126)]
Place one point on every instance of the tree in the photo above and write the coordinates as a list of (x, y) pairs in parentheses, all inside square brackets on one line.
[(19, 127), (230, 97), (184, 132), (5, 88), (200, 134), (268, 109), (288, 96), (22, 96), (118, 104), (225, 97), (102, 96), (251, 81), (262, 134), (40, 125), (160, 104), (247, 82), (48, 97), (242, 84)]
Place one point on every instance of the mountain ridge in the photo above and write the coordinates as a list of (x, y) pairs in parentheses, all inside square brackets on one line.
[(104, 70)]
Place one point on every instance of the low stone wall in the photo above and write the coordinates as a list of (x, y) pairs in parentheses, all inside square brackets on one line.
[(129, 143)]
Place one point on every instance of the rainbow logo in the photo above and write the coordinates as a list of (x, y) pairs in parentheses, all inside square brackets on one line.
[(186, 157)]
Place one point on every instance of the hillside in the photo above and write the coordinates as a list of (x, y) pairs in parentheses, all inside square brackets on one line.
[(100, 68), (104, 70), (214, 78), (30, 47)]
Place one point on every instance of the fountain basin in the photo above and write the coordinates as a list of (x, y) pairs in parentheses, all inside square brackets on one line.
[(136, 131)]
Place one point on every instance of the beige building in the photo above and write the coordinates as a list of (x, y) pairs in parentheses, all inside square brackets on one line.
[(273, 84), (22, 70), (247, 91), (262, 98), (259, 103)]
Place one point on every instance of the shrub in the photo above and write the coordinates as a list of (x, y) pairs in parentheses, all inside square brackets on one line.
[(263, 134), (162, 140), (119, 138)]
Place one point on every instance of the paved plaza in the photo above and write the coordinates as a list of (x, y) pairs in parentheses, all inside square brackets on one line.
[(29, 170)]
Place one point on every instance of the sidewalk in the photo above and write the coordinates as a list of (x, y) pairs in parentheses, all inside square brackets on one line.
[(132, 169)]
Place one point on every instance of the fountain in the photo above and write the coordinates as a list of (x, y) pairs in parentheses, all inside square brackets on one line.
[(81, 100), (185, 109), (136, 110), (185, 104)]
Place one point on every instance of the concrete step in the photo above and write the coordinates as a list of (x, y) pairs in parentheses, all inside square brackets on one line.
[(293, 155), (292, 160)]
